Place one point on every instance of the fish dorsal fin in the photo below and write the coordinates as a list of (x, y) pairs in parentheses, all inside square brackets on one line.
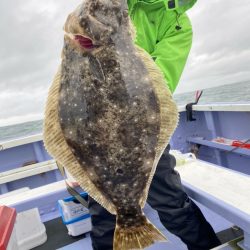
[(57, 146), (168, 111)]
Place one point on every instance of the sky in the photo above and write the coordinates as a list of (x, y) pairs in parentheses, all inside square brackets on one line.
[(31, 40)]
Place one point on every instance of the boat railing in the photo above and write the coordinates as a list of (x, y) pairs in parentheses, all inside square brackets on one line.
[(27, 171)]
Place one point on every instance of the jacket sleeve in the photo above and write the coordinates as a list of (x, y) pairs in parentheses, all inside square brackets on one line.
[(172, 50)]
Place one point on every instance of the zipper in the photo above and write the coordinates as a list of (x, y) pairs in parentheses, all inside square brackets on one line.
[(178, 26), (135, 2)]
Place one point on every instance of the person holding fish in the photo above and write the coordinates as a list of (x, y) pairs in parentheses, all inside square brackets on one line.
[(162, 29), (110, 114)]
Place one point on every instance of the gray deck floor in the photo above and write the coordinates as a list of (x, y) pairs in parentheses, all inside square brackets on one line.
[(219, 224)]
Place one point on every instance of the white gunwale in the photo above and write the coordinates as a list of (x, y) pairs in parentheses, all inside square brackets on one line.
[(227, 107), (21, 141)]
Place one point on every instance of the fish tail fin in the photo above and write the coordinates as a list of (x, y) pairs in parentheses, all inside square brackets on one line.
[(140, 237)]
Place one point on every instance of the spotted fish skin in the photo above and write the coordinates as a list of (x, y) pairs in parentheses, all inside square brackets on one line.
[(112, 128), (109, 116)]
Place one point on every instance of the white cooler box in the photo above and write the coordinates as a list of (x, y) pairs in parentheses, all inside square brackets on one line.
[(75, 216), (22, 231), (30, 231)]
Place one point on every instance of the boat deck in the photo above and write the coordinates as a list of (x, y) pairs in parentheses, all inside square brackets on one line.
[(63, 241)]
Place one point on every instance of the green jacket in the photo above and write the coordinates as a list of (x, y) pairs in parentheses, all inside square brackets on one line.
[(156, 24)]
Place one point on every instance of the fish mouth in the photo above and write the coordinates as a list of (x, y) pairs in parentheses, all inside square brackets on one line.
[(83, 41)]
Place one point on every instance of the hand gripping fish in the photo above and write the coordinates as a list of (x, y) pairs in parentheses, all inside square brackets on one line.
[(109, 116)]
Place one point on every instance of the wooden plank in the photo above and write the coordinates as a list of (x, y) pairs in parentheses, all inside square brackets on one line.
[(219, 146), (27, 171), (224, 191), (37, 193)]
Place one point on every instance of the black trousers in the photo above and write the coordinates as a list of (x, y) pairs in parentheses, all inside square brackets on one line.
[(179, 214)]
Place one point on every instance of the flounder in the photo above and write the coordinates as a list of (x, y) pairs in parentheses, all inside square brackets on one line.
[(109, 116)]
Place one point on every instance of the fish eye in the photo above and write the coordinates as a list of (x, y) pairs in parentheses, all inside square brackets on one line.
[(119, 171)]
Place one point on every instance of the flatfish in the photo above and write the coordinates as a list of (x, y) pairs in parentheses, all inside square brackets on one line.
[(109, 116)]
